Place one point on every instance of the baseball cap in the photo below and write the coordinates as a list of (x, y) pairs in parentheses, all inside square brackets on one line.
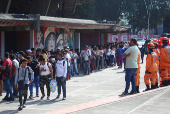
[(29, 51)]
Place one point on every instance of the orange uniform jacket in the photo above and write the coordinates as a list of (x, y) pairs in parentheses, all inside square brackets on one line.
[(165, 56), (158, 54), (151, 65)]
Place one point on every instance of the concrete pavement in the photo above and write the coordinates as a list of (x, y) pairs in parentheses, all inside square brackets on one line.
[(95, 93)]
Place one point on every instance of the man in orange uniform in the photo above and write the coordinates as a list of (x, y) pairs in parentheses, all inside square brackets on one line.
[(151, 67), (137, 75), (165, 62), (156, 50)]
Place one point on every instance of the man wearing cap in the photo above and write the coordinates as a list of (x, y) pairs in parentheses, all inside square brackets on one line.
[(87, 57), (30, 54)]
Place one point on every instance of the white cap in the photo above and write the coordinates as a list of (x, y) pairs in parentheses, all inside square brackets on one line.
[(29, 51), (58, 48)]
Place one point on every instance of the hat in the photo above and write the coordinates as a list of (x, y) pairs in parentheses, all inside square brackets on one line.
[(58, 48), (68, 48), (86, 46), (29, 51), (22, 53)]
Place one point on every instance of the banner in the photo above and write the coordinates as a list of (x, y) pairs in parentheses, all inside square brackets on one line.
[(126, 38), (51, 38)]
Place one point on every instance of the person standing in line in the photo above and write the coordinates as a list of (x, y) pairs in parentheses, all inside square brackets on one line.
[(87, 56), (151, 67), (101, 58), (165, 62), (137, 74), (61, 74), (131, 66), (112, 56), (15, 66), (6, 75), (22, 79), (68, 59), (92, 60), (142, 52), (97, 54), (75, 57), (21, 56), (124, 59), (35, 67), (120, 56), (45, 73)]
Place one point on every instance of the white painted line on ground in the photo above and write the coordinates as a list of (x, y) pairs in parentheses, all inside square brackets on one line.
[(153, 98)]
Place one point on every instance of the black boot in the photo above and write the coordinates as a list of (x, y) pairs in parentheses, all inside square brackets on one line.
[(152, 86), (169, 82), (156, 85), (137, 89), (163, 83), (147, 88), (166, 83)]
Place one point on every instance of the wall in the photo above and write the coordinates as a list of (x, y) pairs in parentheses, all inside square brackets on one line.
[(22, 40), (51, 38), (89, 39)]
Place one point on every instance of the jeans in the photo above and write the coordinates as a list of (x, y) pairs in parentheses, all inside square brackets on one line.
[(21, 91), (103, 62), (36, 82), (114, 60), (89, 69), (75, 67), (86, 66), (8, 87), (142, 56), (124, 60), (61, 84), (15, 91), (71, 67), (97, 62), (130, 77)]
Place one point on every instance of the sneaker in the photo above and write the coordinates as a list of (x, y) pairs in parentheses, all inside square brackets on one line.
[(131, 93), (124, 94), (24, 106), (92, 72), (48, 98), (77, 73), (16, 96), (84, 74), (31, 97), (37, 95), (58, 96), (42, 96), (64, 98), (10, 99), (20, 108), (5, 98)]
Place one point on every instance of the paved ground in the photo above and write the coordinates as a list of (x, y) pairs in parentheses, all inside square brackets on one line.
[(97, 93)]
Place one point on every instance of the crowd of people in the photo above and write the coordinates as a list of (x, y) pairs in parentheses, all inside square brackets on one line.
[(22, 70)]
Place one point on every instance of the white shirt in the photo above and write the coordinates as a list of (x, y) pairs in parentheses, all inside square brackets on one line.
[(75, 55), (101, 53), (86, 55), (45, 69), (113, 52), (131, 61), (61, 68), (68, 57)]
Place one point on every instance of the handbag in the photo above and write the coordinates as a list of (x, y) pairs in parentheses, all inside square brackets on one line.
[(21, 83)]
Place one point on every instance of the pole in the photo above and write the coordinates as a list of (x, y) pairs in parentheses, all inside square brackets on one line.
[(8, 6)]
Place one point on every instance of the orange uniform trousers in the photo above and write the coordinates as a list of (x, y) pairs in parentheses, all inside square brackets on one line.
[(150, 76), (137, 77), (165, 73)]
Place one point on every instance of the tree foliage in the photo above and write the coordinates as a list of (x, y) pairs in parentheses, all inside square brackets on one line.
[(134, 10)]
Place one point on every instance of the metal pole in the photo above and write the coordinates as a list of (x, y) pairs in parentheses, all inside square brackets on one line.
[(8, 6), (48, 8)]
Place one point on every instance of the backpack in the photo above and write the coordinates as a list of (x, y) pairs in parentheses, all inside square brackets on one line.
[(7, 71)]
